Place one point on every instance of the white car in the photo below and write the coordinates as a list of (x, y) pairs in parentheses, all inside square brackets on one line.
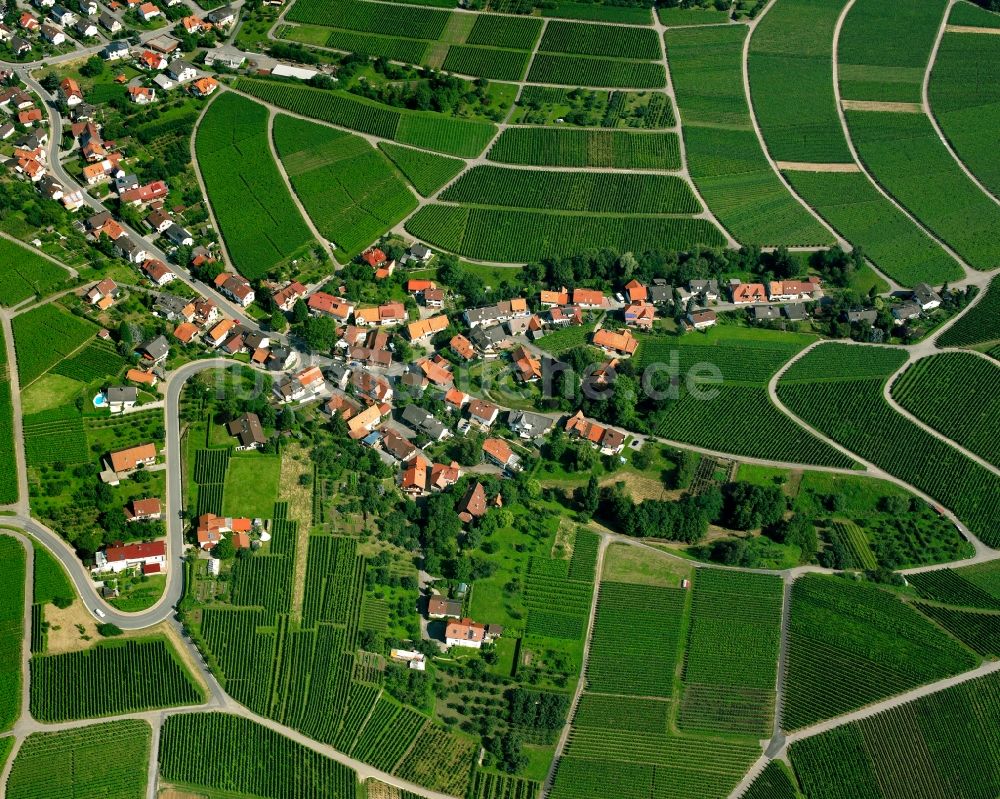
[(100, 613)]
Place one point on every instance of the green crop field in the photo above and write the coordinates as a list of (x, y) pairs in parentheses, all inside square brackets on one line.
[(851, 410), (426, 171), (641, 665), (732, 653), (110, 679), (599, 192), (953, 588), (851, 643), (257, 217), (933, 746), (24, 273), (497, 234), (791, 81), (957, 394), (418, 23), (424, 129), (514, 33), (773, 782), (75, 763), (8, 470), (44, 336), (95, 361), (855, 208), (973, 16), (56, 435), (486, 62), (884, 49), (251, 485), (348, 187), (233, 763), (614, 41), (12, 562), (978, 631), (724, 156), (980, 324), (965, 99), (583, 148), (903, 152), (575, 70)]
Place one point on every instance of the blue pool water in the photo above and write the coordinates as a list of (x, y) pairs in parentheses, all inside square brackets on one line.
[(100, 401)]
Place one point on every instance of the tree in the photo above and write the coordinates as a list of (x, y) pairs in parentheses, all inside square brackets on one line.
[(748, 506), (278, 321), (224, 550), (93, 67), (300, 312), (589, 497), (319, 333), (109, 630)]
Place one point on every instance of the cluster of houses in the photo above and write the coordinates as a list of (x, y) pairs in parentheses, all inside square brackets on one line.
[(49, 27), (460, 630)]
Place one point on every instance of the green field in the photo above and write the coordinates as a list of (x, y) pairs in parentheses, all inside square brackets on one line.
[(724, 156), (980, 324), (613, 41), (957, 394), (12, 563), (934, 746), (855, 208), (44, 336), (25, 273), (576, 70), (426, 171), (257, 217), (348, 187), (510, 235), (904, 154), (571, 191), (52, 584), (110, 679), (791, 81), (424, 129), (679, 17), (851, 643), (233, 763), (583, 148), (774, 782), (838, 389), (884, 49), (251, 485), (965, 100), (8, 470)]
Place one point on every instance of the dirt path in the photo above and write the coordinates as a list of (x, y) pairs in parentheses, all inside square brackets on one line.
[(971, 29), (877, 105), (806, 166)]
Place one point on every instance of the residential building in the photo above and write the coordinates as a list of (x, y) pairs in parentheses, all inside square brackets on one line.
[(749, 293), (127, 460), (926, 297), (499, 452), (236, 287), (793, 290), (286, 297), (142, 510), (623, 344), (465, 633), (247, 430), (904, 312), (157, 271), (529, 425), (150, 557), (473, 504), (441, 607), (640, 315), (702, 320), (121, 398), (589, 298), (483, 413), (423, 329), (155, 351)]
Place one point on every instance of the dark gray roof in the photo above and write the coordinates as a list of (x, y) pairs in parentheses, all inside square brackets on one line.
[(864, 315), (765, 312), (123, 394), (532, 424), (157, 348), (660, 293), (795, 311)]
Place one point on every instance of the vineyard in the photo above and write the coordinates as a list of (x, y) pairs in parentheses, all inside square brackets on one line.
[(925, 179), (257, 217), (980, 324), (412, 51), (95, 361), (773, 782), (964, 98), (508, 235), (724, 156), (622, 661), (614, 41), (426, 171), (851, 643), (830, 362), (8, 469), (12, 582), (558, 607), (573, 191), (603, 711), (851, 538), (488, 785), (425, 129), (234, 762), (732, 653), (958, 394), (883, 53), (514, 33), (935, 746), (978, 631), (210, 466), (789, 65), (740, 361), (852, 205), (348, 188), (44, 336), (951, 587), (419, 23), (56, 435), (609, 73), (110, 679), (620, 149), (486, 62), (854, 414), (24, 274), (75, 763)]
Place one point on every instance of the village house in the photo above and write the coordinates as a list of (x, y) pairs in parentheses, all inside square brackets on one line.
[(53, 34), (211, 529), (204, 87), (323, 304), (125, 461), (418, 252), (85, 29), (904, 312), (150, 557), (465, 633), (306, 384), (702, 320), (140, 95), (236, 287), (69, 91), (423, 329), (121, 398), (142, 378), (472, 505), (462, 347), (151, 60), (61, 16), (248, 432), (489, 339), (926, 297), (455, 399), (636, 292), (156, 351), (375, 387), (106, 289), (399, 447), (554, 298), (496, 314), (363, 423), (589, 298), (411, 657), (223, 16), (424, 422), (529, 425), (148, 12), (157, 271), (159, 220), (142, 510), (441, 607), (218, 335), (640, 315), (529, 367), (483, 413), (391, 313), (749, 293), (286, 297), (181, 71), (793, 290), (499, 452), (434, 298), (623, 344), (607, 440)]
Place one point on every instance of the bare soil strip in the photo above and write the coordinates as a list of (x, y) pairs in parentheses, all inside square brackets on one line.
[(971, 29), (805, 166), (874, 105)]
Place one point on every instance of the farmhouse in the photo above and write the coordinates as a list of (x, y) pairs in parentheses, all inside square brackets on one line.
[(623, 344), (150, 557), (440, 607), (247, 430), (465, 633), (141, 510)]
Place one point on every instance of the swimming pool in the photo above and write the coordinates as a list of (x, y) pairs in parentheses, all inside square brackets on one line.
[(100, 401)]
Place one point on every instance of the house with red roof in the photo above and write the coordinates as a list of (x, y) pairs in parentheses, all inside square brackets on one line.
[(151, 555)]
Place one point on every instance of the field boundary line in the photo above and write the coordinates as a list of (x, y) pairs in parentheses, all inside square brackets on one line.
[(748, 95), (970, 273), (925, 95)]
